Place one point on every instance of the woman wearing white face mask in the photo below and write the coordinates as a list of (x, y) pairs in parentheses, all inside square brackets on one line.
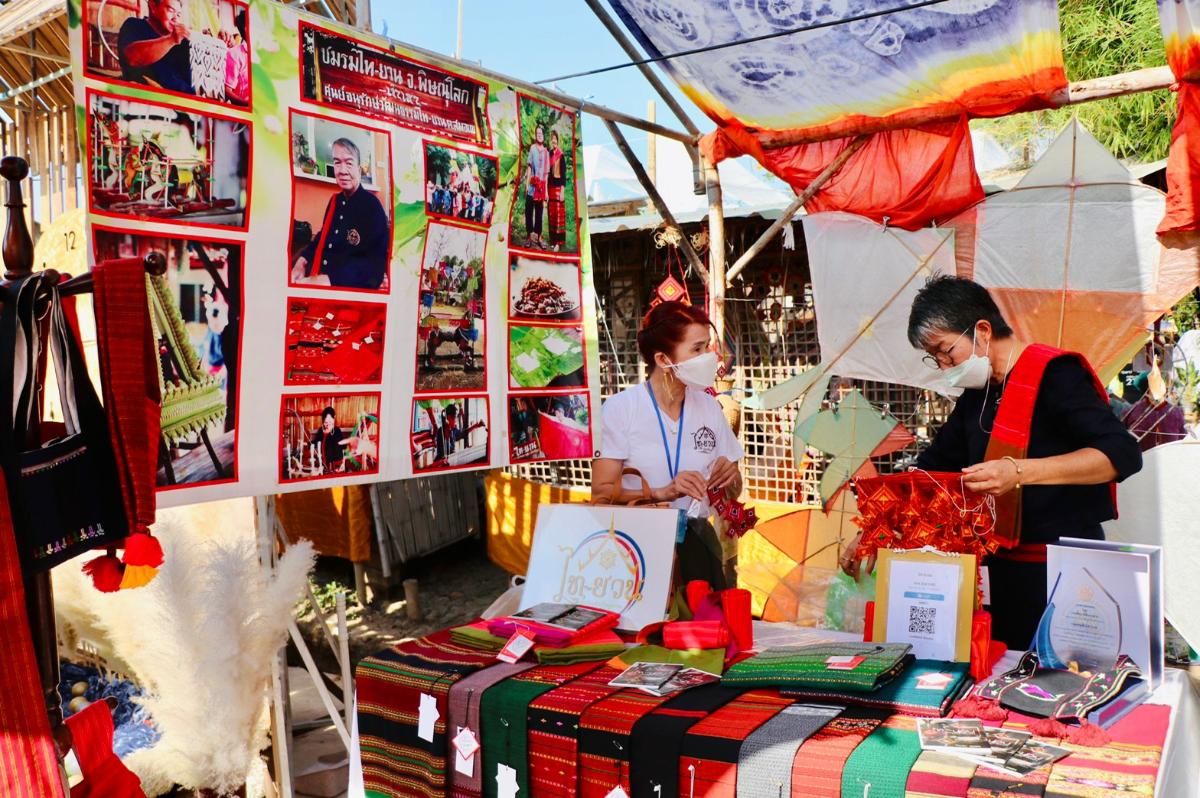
[(1032, 428), (672, 431)]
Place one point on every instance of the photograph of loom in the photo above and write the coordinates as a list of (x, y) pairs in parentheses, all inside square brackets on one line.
[(334, 342), (196, 316), (325, 435), (459, 184), (545, 357), (341, 204), (553, 427), (157, 162), (449, 433), (544, 290), (450, 313), (191, 48)]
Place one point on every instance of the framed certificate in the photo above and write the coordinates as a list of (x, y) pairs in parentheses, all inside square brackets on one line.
[(926, 598)]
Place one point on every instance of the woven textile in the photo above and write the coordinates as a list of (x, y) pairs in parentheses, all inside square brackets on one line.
[(1126, 766), (604, 740), (765, 761), (710, 661), (883, 760), (657, 741), (708, 764), (939, 775), (464, 701), (927, 688), (503, 716), (554, 732), (390, 685), (817, 770), (991, 783), (805, 666), (595, 648), (1061, 694)]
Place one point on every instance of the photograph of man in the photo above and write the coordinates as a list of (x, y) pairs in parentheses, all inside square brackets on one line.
[(449, 433), (351, 248), (155, 47)]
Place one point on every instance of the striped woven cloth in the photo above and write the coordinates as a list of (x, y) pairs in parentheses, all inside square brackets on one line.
[(466, 775), (926, 688), (1126, 766), (604, 740), (939, 775), (791, 667), (708, 764), (390, 686), (879, 767), (991, 783), (765, 761), (817, 769), (504, 714), (554, 732), (657, 740)]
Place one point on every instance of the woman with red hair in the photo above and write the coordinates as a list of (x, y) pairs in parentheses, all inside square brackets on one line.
[(673, 431)]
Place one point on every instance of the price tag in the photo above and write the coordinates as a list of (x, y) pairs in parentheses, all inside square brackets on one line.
[(517, 646), (427, 716), (356, 346), (318, 325), (368, 340), (617, 792), (934, 681), (336, 333), (466, 745), (985, 586), (506, 782), (329, 316), (844, 663)]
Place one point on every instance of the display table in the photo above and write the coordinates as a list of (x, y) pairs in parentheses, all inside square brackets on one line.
[(1178, 773)]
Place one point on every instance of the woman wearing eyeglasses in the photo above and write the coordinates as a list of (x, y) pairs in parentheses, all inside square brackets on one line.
[(1032, 428)]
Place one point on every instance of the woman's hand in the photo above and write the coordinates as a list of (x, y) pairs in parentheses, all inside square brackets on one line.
[(686, 483), (994, 477), (850, 562), (724, 473)]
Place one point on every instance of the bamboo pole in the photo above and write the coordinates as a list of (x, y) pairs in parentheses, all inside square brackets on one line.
[(640, 172), (792, 209), (716, 247)]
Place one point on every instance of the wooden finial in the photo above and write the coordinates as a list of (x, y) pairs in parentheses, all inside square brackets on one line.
[(155, 263), (18, 246)]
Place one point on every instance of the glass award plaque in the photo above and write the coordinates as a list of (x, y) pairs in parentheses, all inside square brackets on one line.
[(1081, 628)]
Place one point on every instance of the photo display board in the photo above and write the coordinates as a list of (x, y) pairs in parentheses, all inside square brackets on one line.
[(378, 260)]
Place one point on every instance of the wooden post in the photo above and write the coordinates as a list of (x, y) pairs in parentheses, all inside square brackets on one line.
[(281, 697), (716, 247), (344, 661), (651, 147), (412, 600)]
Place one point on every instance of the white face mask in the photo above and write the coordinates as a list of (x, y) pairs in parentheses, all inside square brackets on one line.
[(974, 372), (699, 371)]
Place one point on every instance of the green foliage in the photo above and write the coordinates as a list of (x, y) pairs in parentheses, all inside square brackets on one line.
[(1187, 313), (1101, 38)]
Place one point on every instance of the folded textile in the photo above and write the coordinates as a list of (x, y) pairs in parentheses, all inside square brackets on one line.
[(554, 732), (1128, 765), (686, 635), (765, 761), (589, 652), (466, 696), (809, 666), (710, 661), (1060, 694), (605, 745), (883, 760), (991, 783), (817, 769), (592, 648), (709, 754), (507, 626), (503, 717), (926, 688), (939, 775)]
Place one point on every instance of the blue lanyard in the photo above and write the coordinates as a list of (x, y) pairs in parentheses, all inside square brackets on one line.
[(672, 469)]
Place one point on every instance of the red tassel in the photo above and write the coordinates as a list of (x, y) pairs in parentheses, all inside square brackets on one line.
[(1089, 735), (106, 573), (143, 549), (1049, 727), (975, 707)]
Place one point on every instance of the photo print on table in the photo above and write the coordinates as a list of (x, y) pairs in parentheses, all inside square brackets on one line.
[(450, 312), (545, 357), (450, 433), (334, 342), (148, 160), (328, 435), (196, 315), (460, 185), (545, 216), (544, 290), (549, 427), (342, 204), (187, 48)]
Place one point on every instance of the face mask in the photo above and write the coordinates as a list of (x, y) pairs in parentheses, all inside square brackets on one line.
[(699, 371), (974, 372)]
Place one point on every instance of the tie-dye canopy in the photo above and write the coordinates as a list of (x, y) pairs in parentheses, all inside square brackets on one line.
[(980, 57)]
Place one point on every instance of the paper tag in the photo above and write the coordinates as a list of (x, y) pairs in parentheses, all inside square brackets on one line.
[(934, 681), (516, 647), (617, 792), (844, 663), (318, 325), (465, 747), (355, 346), (985, 586), (329, 316), (337, 333), (506, 782), (427, 717), (368, 340)]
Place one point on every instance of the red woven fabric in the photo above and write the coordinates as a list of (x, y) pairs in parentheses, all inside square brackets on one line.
[(128, 376), (104, 775), (554, 732), (1183, 164), (604, 744), (817, 770), (28, 766), (708, 766)]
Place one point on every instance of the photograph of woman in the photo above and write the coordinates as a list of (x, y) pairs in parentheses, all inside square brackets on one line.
[(326, 435), (544, 215), (556, 202), (537, 168)]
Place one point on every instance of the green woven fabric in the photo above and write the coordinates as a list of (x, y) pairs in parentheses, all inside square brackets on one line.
[(919, 690), (883, 760), (502, 720), (474, 637), (806, 666), (707, 660)]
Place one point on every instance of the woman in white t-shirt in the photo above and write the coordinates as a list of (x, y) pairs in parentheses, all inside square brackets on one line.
[(673, 431)]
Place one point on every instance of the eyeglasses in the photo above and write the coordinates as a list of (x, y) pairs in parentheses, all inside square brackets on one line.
[(941, 358)]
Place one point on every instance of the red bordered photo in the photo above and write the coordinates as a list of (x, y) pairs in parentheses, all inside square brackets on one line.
[(195, 49), (451, 354), (546, 356), (449, 434), (460, 185), (545, 213), (549, 426), (155, 162), (328, 436), (334, 342), (543, 290), (342, 204), (200, 363), (369, 80)]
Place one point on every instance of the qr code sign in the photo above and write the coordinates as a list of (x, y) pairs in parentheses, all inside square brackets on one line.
[(921, 619)]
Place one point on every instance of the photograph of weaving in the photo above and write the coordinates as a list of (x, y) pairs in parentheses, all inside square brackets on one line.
[(449, 433), (451, 324), (328, 435), (334, 342)]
